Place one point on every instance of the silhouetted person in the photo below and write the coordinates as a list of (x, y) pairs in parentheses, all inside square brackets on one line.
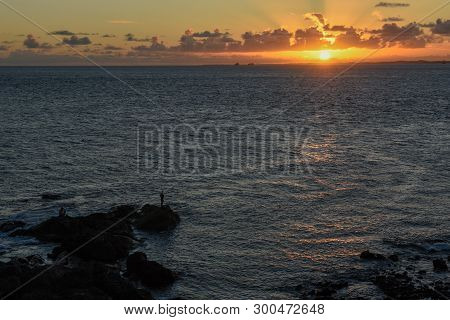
[(62, 212), (161, 195)]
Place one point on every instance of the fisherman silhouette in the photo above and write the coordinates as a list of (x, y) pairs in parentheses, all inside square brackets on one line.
[(161, 195), (62, 212)]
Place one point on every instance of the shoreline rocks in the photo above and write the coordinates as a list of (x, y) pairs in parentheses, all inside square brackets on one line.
[(153, 218), (105, 237), (385, 278), (367, 255), (87, 234), (99, 240), (150, 273), (87, 281)]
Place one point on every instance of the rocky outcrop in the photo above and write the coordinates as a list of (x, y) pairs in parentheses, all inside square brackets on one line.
[(367, 255), (401, 286), (103, 237), (88, 281), (97, 239), (150, 273), (153, 218)]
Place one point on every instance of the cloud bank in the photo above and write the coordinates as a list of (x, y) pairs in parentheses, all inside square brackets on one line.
[(392, 4), (31, 43)]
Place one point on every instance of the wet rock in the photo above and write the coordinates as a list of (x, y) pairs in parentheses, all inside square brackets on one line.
[(321, 290), (124, 212), (153, 218), (327, 289), (87, 281), (50, 196), (367, 255), (150, 273), (440, 265), (399, 285), (56, 253), (11, 225), (100, 236), (34, 260)]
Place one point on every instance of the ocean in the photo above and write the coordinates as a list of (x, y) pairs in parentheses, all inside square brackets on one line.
[(370, 169)]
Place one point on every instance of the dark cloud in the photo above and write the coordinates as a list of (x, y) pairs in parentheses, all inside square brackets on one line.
[(310, 39), (207, 41), (76, 41), (131, 37), (427, 25), (278, 39), (352, 39), (327, 27), (317, 18), (63, 33), (392, 19), (408, 36), (155, 45), (208, 34), (392, 4), (441, 27), (31, 43), (3, 48)]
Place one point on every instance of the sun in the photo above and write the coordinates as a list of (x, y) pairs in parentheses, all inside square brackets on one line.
[(324, 55)]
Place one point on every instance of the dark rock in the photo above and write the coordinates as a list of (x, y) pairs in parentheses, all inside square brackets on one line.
[(150, 273), (124, 212), (402, 287), (440, 265), (153, 218), (326, 289), (86, 282), (11, 225), (35, 260), (100, 236), (321, 290), (394, 258), (367, 255), (56, 252), (51, 196)]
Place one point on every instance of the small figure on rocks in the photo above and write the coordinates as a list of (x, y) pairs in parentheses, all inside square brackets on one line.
[(161, 195), (62, 212)]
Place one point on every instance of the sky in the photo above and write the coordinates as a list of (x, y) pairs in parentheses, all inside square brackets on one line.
[(145, 32)]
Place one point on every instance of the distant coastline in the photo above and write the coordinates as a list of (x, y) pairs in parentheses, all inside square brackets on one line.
[(234, 64)]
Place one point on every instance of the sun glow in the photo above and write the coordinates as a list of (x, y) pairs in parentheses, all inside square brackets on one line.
[(324, 55)]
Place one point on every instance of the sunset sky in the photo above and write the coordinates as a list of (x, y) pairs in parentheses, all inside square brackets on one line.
[(143, 32)]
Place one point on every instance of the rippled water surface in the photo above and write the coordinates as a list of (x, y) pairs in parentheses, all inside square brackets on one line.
[(377, 149)]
